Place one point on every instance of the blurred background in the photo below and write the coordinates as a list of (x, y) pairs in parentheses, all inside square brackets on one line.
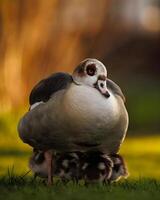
[(40, 37)]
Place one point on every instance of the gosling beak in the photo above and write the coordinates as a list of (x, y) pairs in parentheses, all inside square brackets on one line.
[(102, 86)]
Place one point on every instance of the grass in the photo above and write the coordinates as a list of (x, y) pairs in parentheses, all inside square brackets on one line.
[(16, 187)]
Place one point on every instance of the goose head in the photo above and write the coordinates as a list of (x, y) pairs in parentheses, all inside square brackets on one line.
[(93, 73)]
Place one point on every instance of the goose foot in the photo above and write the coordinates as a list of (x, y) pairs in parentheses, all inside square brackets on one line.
[(49, 157)]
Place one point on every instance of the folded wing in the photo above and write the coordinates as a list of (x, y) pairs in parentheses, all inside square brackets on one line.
[(43, 90), (115, 89)]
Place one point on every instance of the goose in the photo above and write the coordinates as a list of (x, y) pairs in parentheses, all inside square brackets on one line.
[(84, 111)]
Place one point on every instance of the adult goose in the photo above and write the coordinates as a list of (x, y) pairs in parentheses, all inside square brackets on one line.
[(84, 111)]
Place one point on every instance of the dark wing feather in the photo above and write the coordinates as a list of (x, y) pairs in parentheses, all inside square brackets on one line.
[(43, 90), (115, 89)]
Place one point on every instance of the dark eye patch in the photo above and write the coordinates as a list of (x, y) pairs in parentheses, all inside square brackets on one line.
[(103, 172), (72, 165), (91, 69), (66, 170), (39, 158), (116, 167)]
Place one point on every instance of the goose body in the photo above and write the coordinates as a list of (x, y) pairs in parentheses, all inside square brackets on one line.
[(77, 118)]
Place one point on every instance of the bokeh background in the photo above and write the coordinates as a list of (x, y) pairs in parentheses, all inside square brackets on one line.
[(40, 37)]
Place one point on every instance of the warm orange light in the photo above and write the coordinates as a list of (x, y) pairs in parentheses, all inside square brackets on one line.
[(150, 18)]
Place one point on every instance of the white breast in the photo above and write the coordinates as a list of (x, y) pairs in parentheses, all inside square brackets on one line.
[(87, 107)]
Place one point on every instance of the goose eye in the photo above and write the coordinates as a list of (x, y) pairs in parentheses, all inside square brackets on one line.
[(91, 70), (102, 85)]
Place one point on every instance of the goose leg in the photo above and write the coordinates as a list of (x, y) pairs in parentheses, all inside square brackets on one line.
[(48, 156)]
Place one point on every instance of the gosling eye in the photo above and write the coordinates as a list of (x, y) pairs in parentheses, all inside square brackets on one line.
[(91, 70)]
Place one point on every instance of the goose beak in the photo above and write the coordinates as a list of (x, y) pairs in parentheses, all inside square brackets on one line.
[(102, 86)]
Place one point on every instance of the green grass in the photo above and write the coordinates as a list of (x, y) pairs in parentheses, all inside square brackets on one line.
[(16, 187)]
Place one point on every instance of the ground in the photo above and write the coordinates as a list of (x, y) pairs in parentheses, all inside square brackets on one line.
[(18, 188)]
